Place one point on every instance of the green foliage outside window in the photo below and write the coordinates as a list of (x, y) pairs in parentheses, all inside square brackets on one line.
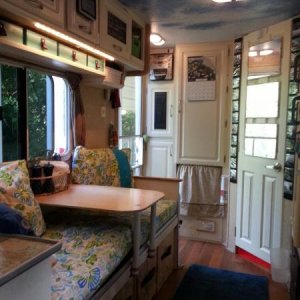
[(128, 123)]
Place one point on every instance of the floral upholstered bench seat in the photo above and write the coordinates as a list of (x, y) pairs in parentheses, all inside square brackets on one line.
[(93, 247), (110, 167)]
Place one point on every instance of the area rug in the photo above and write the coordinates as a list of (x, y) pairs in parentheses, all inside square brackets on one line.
[(204, 283)]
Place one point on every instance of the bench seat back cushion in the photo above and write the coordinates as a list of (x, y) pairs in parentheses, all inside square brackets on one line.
[(103, 166), (17, 196)]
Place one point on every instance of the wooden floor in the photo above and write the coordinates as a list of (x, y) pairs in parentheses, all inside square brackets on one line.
[(216, 256)]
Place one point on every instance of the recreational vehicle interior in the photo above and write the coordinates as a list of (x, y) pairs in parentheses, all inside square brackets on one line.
[(136, 133)]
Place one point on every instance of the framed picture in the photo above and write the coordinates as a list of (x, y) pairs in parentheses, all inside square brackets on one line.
[(161, 65)]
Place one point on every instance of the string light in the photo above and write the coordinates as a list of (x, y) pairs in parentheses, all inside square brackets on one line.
[(72, 41)]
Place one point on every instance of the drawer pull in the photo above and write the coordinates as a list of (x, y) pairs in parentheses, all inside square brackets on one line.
[(43, 44), (148, 277), (35, 3), (117, 48), (85, 29), (97, 65), (74, 56), (166, 253)]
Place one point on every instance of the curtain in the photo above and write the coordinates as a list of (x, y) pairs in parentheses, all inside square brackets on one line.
[(199, 191), (78, 117)]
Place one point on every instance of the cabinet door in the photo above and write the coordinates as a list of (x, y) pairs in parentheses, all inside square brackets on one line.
[(203, 93), (137, 55), (82, 26), (51, 11), (160, 110), (160, 161), (115, 29)]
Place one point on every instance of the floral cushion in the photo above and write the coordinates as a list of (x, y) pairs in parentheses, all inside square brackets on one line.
[(93, 247), (96, 166), (16, 193)]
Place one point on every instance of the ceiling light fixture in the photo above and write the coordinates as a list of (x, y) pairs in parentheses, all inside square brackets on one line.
[(224, 1), (156, 39), (72, 41), (252, 53), (265, 52)]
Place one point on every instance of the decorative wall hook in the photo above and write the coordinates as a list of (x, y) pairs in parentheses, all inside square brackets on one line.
[(2, 30)]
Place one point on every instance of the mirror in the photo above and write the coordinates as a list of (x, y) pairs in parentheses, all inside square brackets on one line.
[(262, 102), (264, 59)]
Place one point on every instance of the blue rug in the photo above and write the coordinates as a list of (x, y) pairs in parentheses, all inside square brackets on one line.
[(204, 283)]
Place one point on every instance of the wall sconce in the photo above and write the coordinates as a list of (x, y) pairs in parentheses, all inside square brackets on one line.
[(2, 30), (156, 39)]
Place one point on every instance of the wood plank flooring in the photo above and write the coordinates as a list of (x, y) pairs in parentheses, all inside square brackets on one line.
[(216, 256)]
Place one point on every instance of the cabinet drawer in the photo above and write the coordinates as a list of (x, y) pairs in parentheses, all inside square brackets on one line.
[(165, 259), (147, 279), (73, 55), (202, 229), (96, 63), (126, 292), (51, 11), (40, 42)]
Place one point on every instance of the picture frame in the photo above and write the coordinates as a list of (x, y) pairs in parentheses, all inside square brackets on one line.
[(161, 65)]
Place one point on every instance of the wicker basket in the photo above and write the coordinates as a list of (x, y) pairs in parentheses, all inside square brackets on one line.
[(60, 182)]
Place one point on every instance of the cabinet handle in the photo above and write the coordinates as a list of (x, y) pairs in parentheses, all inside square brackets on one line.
[(85, 29), (167, 253), (148, 277), (43, 44), (117, 48), (74, 56), (180, 106), (35, 3), (171, 111)]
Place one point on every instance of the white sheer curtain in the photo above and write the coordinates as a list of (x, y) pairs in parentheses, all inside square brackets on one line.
[(200, 191)]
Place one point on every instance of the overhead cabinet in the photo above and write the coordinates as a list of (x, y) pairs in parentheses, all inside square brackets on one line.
[(83, 24), (115, 29), (105, 25), (50, 11)]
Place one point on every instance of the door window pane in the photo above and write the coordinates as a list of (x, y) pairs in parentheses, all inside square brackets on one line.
[(262, 100), (261, 130), (160, 110)]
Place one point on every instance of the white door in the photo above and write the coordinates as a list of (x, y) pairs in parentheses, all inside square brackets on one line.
[(262, 140)]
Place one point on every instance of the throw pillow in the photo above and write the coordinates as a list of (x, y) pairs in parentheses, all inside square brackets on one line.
[(15, 192), (12, 222)]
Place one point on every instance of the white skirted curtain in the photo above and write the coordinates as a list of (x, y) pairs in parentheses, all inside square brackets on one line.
[(200, 191)]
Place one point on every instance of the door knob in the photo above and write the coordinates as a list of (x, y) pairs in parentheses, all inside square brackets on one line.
[(277, 167)]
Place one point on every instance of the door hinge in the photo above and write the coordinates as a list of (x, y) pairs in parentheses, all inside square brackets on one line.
[(224, 159), (235, 231), (226, 123)]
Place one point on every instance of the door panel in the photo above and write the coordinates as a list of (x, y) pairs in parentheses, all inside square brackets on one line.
[(261, 140)]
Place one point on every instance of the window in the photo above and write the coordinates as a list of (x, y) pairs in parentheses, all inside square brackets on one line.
[(35, 114), (130, 119)]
